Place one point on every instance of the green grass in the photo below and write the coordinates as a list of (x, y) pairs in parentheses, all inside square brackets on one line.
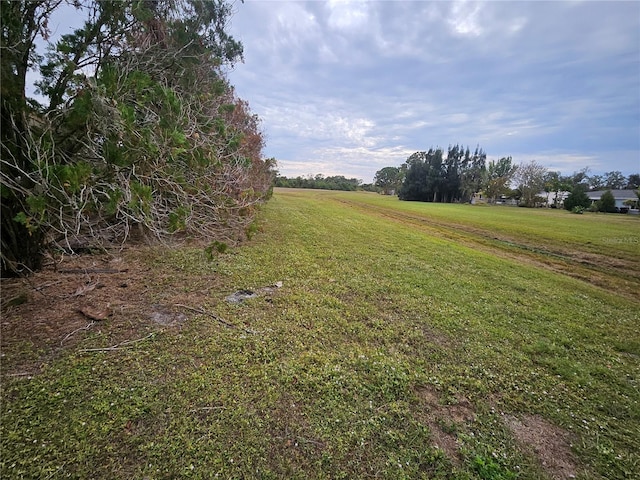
[(397, 324), (617, 234)]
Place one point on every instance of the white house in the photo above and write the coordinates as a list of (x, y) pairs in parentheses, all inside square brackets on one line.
[(550, 198)]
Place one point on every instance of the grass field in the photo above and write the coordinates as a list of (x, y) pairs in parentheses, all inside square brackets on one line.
[(407, 340)]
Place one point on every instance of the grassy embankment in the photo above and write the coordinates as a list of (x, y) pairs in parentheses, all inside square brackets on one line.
[(407, 341)]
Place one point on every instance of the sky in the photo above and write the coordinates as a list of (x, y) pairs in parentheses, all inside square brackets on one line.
[(350, 87)]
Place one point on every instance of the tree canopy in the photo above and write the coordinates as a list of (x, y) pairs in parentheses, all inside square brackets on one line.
[(433, 176), (430, 177), (530, 181), (319, 181), (140, 128), (607, 202), (577, 198), (498, 177), (389, 179)]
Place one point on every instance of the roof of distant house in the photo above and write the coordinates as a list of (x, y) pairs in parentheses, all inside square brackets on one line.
[(617, 194)]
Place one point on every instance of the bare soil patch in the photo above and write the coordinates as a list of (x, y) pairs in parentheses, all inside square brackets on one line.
[(117, 295), (444, 420), (549, 443)]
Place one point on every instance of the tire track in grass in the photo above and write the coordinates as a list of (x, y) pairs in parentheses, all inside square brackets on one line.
[(616, 275)]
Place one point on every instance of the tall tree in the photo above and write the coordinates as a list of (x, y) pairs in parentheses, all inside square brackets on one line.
[(388, 179), (555, 183), (530, 179), (473, 173), (580, 177), (498, 176), (633, 181), (614, 180), (597, 182), (22, 23), (414, 184), (430, 177)]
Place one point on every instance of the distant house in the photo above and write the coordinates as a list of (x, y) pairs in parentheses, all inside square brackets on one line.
[(620, 196), (551, 200), (478, 198)]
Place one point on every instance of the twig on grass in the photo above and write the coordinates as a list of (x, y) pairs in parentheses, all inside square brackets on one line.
[(92, 270), (207, 409), (86, 327), (215, 317), (117, 346), (45, 285), (204, 312)]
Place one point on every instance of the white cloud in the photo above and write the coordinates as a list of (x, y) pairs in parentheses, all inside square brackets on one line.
[(348, 15), (351, 87), (464, 19), (563, 162), (347, 161)]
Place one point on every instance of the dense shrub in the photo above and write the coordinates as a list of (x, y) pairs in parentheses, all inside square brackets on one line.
[(607, 203), (577, 198)]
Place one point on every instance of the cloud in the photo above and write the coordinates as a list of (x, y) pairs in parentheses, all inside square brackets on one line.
[(347, 15), (347, 161), (465, 20), (355, 86)]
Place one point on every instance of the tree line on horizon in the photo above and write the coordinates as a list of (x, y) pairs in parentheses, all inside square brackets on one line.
[(433, 176), (138, 128), (319, 181)]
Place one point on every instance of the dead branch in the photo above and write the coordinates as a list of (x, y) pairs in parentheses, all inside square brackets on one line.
[(87, 327), (46, 285), (215, 317), (91, 270), (204, 312)]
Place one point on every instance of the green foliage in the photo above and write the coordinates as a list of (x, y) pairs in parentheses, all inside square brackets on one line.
[(578, 209), (389, 179), (489, 469), (156, 132), (141, 199), (498, 175), (577, 198), (37, 204), (614, 180), (23, 219), (432, 178), (252, 229), (337, 182), (607, 202), (178, 219), (216, 248), (112, 205), (73, 177), (531, 180)]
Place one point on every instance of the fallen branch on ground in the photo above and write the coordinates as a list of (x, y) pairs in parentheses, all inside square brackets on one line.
[(215, 317), (91, 270), (87, 327)]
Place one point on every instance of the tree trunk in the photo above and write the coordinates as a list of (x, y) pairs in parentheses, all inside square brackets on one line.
[(21, 247)]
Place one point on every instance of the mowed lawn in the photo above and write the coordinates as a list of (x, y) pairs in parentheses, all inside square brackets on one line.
[(405, 340)]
